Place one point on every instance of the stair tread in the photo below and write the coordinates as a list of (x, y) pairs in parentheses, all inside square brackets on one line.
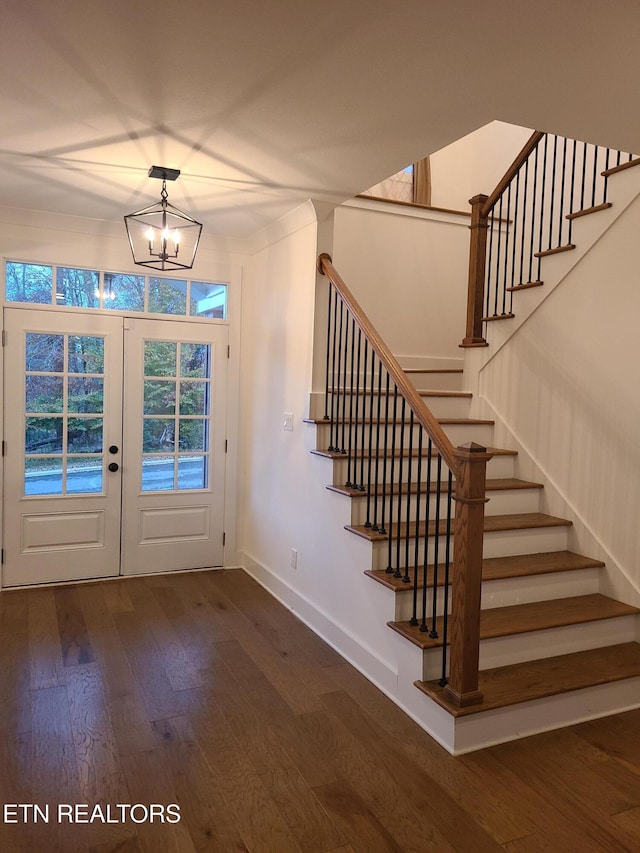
[(492, 524), (525, 618), (525, 285), (499, 568), (357, 454), (489, 318), (432, 370), (524, 682), (555, 251), (621, 168), (493, 485)]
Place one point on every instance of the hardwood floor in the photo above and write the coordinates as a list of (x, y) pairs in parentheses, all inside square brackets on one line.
[(201, 690)]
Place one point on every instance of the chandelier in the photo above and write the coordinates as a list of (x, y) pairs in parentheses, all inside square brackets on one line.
[(162, 236)]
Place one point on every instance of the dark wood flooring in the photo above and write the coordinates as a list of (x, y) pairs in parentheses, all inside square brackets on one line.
[(201, 690)]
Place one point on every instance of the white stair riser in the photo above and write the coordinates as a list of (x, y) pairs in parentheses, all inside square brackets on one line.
[(498, 467), (500, 503), (509, 591), (441, 381), (496, 544), (535, 645), (358, 435), (440, 406)]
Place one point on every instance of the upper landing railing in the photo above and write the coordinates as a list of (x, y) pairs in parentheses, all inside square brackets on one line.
[(529, 215)]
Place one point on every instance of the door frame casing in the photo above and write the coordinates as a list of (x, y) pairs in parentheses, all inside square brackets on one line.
[(232, 275)]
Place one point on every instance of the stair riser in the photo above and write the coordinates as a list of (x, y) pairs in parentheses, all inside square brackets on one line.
[(440, 381), (441, 407), (510, 591), (551, 642), (496, 544), (499, 466), (500, 503), (356, 437)]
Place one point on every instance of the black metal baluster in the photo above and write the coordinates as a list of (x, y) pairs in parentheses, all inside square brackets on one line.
[(436, 549), (334, 393), (515, 219), (542, 198), (356, 423), (389, 568), (498, 258), (363, 430), (583, 182), (595, 176), (376, 526), (383, 504), (533, 216), (423, 621), (326, 384), (372, 383), (339, 391), (561, 219), (524, 218), (553, 190), (343, 443), (350, 460), (489, 267), (405, 577), (573, 184), (403, 411), (416, 572), (605, 189), (447, 581), (506, 250)]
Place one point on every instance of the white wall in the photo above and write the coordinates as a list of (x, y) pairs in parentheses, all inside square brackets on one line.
[(408, 269), (474, 164), (566, 384)]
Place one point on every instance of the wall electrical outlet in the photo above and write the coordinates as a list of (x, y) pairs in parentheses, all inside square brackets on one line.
[(294, 558), (287, 421)]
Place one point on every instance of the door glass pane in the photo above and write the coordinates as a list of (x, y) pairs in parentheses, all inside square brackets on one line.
[(193, 433), (84, 435), (194, 360), (158, 435), (84, 476), (43, 476), (194, 398), (159, 397), (160, 358), (44, 394), (43, 435), (44, 353), (86, 354), (192, 472), (157, 473), (85, 394)]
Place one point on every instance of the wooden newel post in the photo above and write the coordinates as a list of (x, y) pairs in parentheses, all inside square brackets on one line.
[(470, 498), (477, 269)]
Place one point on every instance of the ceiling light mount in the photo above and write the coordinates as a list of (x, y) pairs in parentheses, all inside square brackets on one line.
[(162, 236)]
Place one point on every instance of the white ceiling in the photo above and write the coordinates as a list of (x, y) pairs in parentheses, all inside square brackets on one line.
[(265, 103)]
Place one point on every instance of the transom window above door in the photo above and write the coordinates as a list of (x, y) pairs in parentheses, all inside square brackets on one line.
[(77, 287)]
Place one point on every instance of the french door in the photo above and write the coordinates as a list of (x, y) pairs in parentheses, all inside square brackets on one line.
[(114, 446)]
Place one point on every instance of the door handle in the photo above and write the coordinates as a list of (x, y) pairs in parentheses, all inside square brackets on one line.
[(113, 467)]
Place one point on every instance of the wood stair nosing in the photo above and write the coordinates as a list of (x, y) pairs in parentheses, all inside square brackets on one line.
[(528, 618), (621, 168), (492, 485), (424, 392), (555, 251), (492, 317), (433, 370), (587, 210), (497, 568), (492, 524), (398, 421), (525, 285), (379, 454), (524, 682)]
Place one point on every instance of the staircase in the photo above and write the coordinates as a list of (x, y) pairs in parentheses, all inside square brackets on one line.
[(545, 630), (550, 648)]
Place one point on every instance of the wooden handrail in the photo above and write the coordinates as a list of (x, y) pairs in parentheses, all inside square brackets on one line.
[(420, 410), (511, 172)]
